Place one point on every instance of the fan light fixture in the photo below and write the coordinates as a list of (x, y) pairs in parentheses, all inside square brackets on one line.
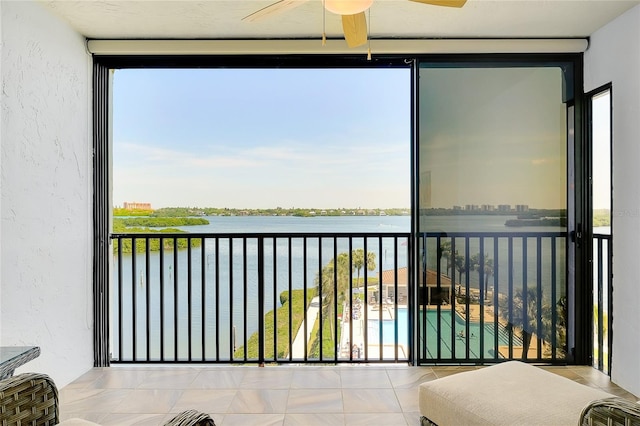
[(347, 7)]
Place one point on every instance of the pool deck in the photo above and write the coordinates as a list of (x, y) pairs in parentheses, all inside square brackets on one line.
[(353, 331)]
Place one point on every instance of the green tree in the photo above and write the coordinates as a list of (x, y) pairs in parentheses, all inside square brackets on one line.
[(524, 321), (461, 265), (525, 317), (487, 268), (333, 277), (445, 251), (330, 272), (358, 259)]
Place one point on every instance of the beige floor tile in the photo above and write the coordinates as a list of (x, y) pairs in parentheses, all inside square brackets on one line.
[(597, 378), (92, 417), (408, 399), (316, 419), (410, 377), (448, 371), (370, 401), (617, 391), (315, 401), (249, 401), (168, 379), (218, 379), (390, 419), (119, 378), (92, 400), (150, 401), (205, 400), (87, 379), (278, 395), (267, 378), (562, 371), (252, 419), (134, 419), (412, 417), (315, 379), (365, 377)]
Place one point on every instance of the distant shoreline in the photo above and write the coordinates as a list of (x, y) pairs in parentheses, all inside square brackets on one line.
[(314, 212)]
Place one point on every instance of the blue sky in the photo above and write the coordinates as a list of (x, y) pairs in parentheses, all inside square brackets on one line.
[(259, 138), (602, 151)]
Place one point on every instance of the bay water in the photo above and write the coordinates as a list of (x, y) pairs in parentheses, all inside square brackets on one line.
[(222, 307)]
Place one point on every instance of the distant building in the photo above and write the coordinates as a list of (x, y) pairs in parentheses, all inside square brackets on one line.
[(472, 207), (457, 208), (431, 292), (504, 207), (522, 208), (487, 208), (137, 206)]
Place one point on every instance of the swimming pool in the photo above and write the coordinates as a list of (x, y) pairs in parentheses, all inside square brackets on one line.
[(388, 329), (450, 340)]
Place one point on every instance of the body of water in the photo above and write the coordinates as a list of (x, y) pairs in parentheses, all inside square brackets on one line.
[(220, 290)]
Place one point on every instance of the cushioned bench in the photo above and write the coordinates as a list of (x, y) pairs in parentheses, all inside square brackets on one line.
[(510, 393)]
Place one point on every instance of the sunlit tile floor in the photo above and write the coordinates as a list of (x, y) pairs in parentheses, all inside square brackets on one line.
[(273, 395)]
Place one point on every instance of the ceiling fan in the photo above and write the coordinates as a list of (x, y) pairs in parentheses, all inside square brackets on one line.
[(354, 22)]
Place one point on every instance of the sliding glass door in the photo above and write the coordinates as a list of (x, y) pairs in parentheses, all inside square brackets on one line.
[(493, 211)]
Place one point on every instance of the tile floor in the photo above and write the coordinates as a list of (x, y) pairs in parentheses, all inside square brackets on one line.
[(273, 395)]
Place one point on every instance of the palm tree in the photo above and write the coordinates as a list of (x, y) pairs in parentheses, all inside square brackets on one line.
[(461, 265), (488, 272), (547, 333), (487, 269), (330, 272), (445, 251), (359, 261), (341, 268), (528, 324)]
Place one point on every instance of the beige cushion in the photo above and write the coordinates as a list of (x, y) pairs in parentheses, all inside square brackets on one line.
[(510, 393)]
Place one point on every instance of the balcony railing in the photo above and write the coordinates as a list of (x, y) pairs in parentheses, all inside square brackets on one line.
[(485, 297), (603, 302), (261, 298), (304, 297)]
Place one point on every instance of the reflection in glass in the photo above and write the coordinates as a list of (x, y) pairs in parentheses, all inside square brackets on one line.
[(493, 212)]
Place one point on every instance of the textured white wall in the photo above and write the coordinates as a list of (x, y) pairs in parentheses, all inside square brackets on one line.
[(614, 57), (45, 191)]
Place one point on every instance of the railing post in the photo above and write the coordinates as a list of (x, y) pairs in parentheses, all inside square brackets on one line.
[(260, 302)]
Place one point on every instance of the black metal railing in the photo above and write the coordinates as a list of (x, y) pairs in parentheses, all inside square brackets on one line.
[(261, 298), (485, 297), (479, 297), (603, 302)]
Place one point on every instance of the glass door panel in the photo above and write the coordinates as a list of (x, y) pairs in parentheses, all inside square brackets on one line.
[(492, 199), (599, 108)]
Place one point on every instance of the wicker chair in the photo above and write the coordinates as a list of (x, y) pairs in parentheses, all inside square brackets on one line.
[(32, 399), (611, 412), (28, 399), (191, 418)]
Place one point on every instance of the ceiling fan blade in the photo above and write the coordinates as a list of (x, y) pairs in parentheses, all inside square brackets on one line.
[(274, 8), (448, 3), (355, 29)]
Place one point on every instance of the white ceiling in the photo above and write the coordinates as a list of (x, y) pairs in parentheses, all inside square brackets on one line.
[(222, 19)]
